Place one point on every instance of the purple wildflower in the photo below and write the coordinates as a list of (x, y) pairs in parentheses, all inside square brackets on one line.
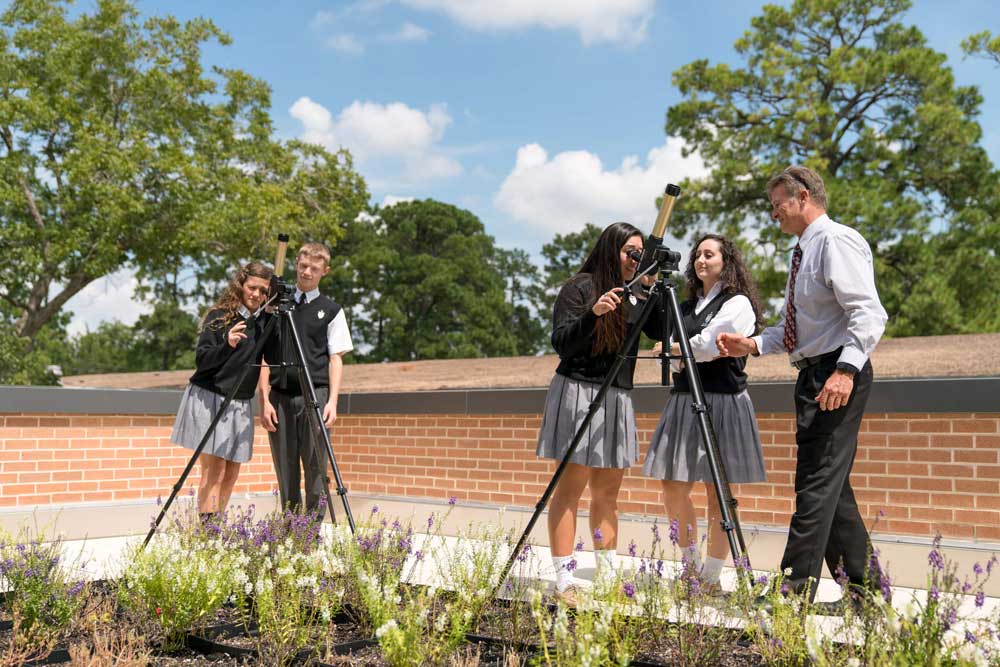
[(628, 588), (978, 569), (579, 545), (598, 535), (452, 500), (969, 637), (76, 588), (159, 500), (935, 559), (632, 548), (934, 595), (980, 598), (374, 509), (885, 583), (571, 565), (762, 580), (674, 532)]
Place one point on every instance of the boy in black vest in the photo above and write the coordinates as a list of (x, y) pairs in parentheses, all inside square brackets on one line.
[(325, 338)]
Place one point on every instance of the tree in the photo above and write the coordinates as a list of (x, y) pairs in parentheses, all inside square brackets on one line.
[(433, 290), (522, 276), (563, 256), (844, 87), (120, 150), (983, 44), (165, 339)]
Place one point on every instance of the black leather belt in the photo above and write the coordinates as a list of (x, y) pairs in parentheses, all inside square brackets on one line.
[(806, 362)]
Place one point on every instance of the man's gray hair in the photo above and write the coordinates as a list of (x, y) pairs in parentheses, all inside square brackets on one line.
[(795, 179)]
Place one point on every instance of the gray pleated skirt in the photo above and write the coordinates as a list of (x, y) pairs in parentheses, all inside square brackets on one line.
[(233, 436), (611, 440), (677, 453)]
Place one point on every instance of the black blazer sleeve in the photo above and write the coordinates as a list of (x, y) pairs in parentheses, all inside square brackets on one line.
[(573, 321), (213, 351)]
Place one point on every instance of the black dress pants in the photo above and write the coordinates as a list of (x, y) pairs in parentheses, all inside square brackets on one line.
[(826, 524), (295, 447)]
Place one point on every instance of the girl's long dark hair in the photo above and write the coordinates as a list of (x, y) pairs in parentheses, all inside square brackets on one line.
[(232, 297), (735, 278), (604, 266)]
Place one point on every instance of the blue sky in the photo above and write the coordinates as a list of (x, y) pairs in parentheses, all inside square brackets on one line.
[(536, 115)]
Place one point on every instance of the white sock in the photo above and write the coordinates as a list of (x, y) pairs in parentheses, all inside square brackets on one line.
[(712, 570), (564, 578), (605, 559)]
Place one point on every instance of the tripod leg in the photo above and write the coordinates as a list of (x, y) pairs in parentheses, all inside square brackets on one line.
[(197, 452), (626, 345), (320, 428), (727, 503)]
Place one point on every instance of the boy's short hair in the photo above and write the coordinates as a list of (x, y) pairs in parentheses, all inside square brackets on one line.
[(314, 251)]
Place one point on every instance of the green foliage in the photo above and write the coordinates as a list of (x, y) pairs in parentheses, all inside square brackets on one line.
[(842, 86), (426, 631), (120, 149), (983, 44), (41, 595), (432, 287), (20, 363), (563, 256), (177, 581), (522, 276)]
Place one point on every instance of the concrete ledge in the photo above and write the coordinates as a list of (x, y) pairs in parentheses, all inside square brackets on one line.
[(905, 557), (909, 395)]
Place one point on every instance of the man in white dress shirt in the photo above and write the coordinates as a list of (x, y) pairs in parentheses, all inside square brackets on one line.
[(830, 323)]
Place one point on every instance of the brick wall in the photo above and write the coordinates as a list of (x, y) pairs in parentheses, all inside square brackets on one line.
[(926, 472)]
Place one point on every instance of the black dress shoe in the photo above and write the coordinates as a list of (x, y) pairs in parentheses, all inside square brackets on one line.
[(837, 607)]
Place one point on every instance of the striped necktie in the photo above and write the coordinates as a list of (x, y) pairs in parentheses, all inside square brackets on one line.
[(790, 339)]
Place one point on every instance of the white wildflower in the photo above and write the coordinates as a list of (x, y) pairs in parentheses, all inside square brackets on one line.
[(385, 627)]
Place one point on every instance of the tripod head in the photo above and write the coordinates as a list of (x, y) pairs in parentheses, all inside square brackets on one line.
[(281, 290)]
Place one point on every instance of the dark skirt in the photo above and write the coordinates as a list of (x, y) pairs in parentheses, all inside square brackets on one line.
[(677, 452), (232, 439), (610, 440)]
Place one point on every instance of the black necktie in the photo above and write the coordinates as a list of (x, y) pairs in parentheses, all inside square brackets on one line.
[(302, 299)]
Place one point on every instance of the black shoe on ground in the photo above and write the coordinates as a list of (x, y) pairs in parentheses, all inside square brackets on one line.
[(837, 607)]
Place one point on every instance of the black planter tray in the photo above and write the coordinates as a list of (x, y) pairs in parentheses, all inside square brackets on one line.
[(212, 640), (55, 657)]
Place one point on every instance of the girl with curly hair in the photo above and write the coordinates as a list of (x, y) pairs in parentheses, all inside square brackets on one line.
[(226, 346), (722, 298)]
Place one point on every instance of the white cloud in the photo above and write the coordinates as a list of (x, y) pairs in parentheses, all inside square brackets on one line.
[(622, 21), (562, 193), (346, 43), (408, 32), (106, 299), (392, 133), (392, 200), (323, 19)]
